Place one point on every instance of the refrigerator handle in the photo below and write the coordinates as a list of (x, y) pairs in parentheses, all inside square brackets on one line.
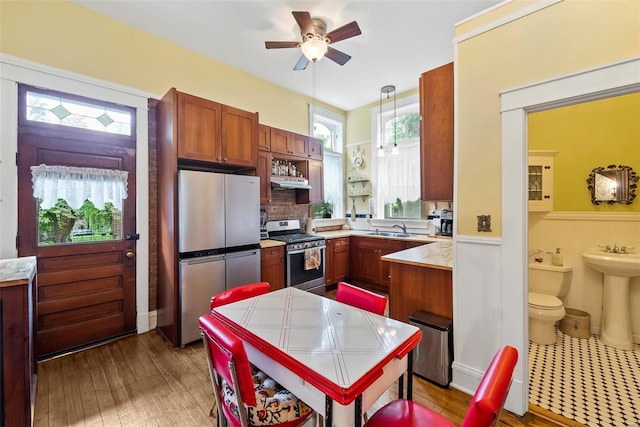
[(200, 260)]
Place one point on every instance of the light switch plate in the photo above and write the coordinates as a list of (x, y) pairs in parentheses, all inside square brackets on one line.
[(484, 223)]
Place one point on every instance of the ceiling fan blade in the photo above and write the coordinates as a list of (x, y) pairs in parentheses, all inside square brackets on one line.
[(301, 64), (304, 22), (337, 56), (280, 45), (346, 31)]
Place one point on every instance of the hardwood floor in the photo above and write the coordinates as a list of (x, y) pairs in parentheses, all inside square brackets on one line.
[(141, 380)]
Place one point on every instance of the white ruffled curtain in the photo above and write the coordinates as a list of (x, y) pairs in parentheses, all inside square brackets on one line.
[(399, 174), (75, 185)]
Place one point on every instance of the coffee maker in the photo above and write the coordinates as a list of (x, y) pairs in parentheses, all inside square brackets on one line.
[(446, 222)]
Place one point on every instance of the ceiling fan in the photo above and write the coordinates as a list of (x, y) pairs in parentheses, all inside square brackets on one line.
[(315, 40)]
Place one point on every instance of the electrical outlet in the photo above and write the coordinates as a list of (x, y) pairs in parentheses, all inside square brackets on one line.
[(484, 223)]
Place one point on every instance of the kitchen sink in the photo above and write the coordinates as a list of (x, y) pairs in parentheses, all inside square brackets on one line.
[(389, 234)]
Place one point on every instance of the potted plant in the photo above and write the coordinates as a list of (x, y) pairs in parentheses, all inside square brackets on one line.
[(323, 210)]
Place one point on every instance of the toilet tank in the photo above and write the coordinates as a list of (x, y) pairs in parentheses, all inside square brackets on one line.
[(549, 279)]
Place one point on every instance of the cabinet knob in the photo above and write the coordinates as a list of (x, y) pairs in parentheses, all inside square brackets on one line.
[(218, 158), (225, 159)]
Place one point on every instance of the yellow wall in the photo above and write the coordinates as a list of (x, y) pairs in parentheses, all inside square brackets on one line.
[(588, 135), (66, 36), (560, 39)]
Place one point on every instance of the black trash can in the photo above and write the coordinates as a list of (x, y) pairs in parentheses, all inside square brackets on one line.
[(432, 358)]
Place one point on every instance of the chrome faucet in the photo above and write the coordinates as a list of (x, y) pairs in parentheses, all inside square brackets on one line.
[(401, 226)]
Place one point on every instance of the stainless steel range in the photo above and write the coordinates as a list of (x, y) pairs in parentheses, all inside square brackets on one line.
[(304, 255)]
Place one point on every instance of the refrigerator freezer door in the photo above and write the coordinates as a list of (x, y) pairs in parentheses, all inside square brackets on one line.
[(243, 268), (242, 210), (201, 211), (200, 279)]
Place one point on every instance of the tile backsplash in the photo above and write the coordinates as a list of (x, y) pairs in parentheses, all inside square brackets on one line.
[(283, 206)]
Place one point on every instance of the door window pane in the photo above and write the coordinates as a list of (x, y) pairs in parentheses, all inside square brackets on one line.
[(60, 224), (54, 109)]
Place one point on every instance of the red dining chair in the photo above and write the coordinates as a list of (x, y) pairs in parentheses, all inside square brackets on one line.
[(361, 298), (244, 395), (239, 293), (483, 410)]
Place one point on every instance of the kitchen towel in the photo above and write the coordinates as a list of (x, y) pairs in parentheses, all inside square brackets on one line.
[(312, 258)]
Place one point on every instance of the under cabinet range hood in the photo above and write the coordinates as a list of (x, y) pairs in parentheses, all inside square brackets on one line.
[(289, 182)]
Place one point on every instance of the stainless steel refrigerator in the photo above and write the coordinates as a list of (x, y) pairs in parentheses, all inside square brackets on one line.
[(219, 240)]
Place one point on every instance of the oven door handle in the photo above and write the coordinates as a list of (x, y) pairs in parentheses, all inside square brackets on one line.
[(302, 250)]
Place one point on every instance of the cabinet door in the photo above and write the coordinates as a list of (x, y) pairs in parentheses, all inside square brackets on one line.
[(272, 267), (315, 148), (316, 181), (264, 172), (436, 133), (239, 137), (388, 247), (540, 184), (199, 128), (328, 263), (298, 145), (264, 138), (340, 259), (280, 141), (369, 260)]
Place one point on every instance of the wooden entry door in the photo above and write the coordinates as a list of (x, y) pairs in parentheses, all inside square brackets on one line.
[(86, 291)]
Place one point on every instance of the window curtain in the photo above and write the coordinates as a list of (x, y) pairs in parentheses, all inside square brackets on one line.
[(399, 174), (333, 183), (75, 185)]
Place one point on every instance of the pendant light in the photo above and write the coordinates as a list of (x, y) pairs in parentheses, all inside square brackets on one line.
[(387, 90)]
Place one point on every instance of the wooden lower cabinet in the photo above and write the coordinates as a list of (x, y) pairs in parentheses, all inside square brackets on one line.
[(414, 288), (18, 371), (365, 259), (336, 260), (272, 266)]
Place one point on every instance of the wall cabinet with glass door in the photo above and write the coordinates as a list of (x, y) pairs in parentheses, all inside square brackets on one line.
[(540, 181)]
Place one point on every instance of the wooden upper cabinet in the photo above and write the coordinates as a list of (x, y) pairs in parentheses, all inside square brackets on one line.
[(288, 143), (212, 132), (315, 148), (264, 172), (239, 137), (199, 130), (299, 145), (264, 138), (436, 133), (315, 175)]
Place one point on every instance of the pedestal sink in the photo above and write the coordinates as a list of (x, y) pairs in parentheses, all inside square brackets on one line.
[(617, 269)]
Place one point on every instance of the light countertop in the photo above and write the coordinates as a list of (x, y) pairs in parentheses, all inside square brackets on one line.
[(17, 271), (435, 255), (268, 243), (417, 238)]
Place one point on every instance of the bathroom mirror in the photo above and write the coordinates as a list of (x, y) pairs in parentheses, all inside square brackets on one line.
[(612, 184)]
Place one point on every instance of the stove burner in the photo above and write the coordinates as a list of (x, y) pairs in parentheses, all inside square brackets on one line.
[(295, 238)]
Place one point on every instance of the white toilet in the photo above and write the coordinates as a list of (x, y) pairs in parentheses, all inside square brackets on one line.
[(547, 284)]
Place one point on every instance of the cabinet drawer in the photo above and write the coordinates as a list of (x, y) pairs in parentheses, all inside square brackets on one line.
[(271, 253), (341, 244)]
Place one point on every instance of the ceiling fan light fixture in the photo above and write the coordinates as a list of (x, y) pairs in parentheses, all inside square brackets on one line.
[(314, 48)]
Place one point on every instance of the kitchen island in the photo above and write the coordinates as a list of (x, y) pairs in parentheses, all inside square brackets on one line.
[(421, 279)]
